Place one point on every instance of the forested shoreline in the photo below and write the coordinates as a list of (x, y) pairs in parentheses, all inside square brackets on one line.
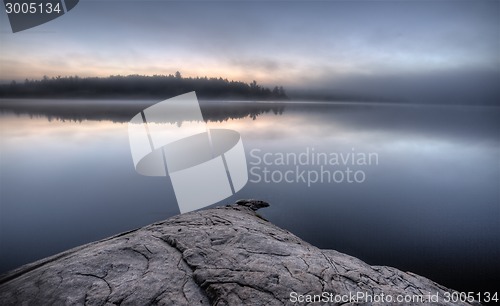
[(158, 86)]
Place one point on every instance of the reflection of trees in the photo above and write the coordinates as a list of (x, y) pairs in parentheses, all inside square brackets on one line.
[(235, 110), (123, 111), (158, 86)]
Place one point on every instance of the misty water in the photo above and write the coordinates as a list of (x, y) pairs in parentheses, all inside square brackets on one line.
[(427, 200)]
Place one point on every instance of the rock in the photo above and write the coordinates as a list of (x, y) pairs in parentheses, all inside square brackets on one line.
[(253, 204), (222, 256)]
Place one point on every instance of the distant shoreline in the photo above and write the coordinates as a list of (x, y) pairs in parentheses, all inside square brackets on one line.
[(140, 86)]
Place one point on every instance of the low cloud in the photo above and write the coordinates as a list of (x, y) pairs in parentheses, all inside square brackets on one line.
[(459, 86)]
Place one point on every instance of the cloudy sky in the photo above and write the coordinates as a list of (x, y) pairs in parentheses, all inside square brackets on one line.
[(322, 45)]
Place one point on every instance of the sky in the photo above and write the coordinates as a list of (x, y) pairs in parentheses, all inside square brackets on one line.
[(393, 48)]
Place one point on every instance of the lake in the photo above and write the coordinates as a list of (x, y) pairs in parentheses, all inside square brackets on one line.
[(414, 187)]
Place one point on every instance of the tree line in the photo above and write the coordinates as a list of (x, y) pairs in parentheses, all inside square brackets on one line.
[(139, 86)]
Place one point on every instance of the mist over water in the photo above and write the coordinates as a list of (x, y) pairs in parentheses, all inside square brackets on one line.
[(430, 204)]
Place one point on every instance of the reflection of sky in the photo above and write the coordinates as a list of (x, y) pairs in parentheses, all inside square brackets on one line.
[(434, 193), (299, 42), (25, 126)]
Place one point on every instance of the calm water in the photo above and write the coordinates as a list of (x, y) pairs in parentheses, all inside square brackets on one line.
[(429, 203)]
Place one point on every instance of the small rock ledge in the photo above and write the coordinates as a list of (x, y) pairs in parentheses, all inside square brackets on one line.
[(222, 256)]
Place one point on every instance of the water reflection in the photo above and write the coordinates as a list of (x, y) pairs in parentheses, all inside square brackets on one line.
[(430, 205), (123, 110)]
